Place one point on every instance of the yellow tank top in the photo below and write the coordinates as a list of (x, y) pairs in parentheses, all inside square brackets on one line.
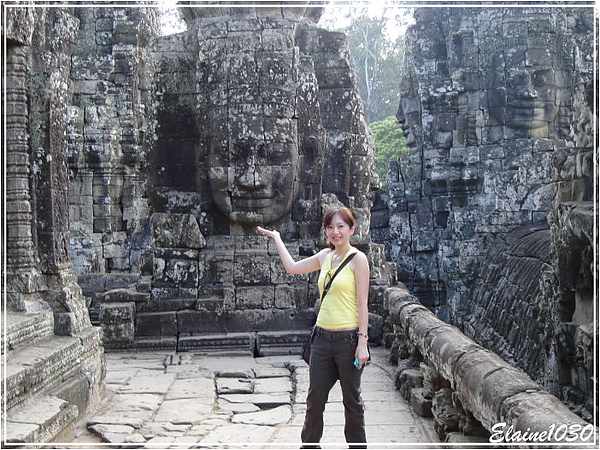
[(339, 309)]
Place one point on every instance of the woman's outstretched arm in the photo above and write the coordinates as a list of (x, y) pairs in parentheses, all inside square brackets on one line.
[(306, 265)]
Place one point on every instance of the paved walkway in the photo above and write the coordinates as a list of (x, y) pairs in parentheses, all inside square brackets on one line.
[(190, 401)]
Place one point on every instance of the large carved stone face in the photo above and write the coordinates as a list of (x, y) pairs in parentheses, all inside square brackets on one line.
[(254, 182), (527, 84), (531, 97)]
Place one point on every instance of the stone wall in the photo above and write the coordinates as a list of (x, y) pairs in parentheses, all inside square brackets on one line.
[(181, 145), (496, 111), (108, 122), (487, 102)]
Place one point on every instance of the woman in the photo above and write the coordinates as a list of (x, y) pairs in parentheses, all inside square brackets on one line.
[(340, 335)]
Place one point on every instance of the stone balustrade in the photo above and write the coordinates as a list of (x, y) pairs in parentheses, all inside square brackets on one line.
[(504, 400)]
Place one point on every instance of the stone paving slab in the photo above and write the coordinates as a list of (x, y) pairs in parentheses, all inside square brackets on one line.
[(226, 406), (199, 389), (276, 398), (192, 401), (239, 434), (115, 434), (272, 385), (119, 377), (134, 419), (182, 411), (132, 402), (270, 371), (148, 382), (235, 386), (270, 417)]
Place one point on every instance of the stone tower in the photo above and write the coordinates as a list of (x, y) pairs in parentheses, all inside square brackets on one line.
[(250, 117), (492, 209)]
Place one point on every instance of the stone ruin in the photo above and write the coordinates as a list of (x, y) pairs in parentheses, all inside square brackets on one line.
[(181, 145), (51, 352), (491, 214), (138, 166)]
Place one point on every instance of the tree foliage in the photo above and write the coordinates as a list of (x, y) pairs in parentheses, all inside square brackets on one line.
[(389, 145), (376, 61), (376, 44)]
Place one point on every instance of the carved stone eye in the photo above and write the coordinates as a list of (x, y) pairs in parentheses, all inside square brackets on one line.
[(542, 78)]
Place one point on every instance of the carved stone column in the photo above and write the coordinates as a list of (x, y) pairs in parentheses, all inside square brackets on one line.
[(24, 280), (49, 92)]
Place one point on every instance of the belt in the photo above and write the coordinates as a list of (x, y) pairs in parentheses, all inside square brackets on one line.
[(336, 335)]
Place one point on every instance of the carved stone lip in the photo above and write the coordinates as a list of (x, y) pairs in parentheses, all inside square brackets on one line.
[(524, 111), (253, 202), (526, 104)]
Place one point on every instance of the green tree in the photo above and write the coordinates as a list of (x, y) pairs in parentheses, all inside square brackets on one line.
[(376, 42), (389, 145), (376, 58)]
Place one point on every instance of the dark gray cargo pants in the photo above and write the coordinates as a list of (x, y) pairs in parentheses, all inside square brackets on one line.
[(332, 359)]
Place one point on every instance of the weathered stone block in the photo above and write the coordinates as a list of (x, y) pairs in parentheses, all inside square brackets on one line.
[(160, 295), (156, 324), (176, 230), (419, 403), (255, 297), (251, 269), (178, 269), (376, 324), (446, 418), (123, 295), (201, 322), (117, 321), (409, 379), (285, 297)]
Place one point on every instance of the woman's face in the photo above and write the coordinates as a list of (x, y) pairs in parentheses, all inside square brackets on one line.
[(338, 231)]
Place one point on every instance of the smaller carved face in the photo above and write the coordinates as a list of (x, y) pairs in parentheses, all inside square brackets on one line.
[(254, 182), (408, 117)]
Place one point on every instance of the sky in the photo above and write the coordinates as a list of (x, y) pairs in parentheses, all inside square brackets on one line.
[(336, 15)]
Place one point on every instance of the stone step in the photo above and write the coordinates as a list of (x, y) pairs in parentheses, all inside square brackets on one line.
[(24, 328), (274, 343), (267, 343), (42, 419), (223, 344), (40, 367)]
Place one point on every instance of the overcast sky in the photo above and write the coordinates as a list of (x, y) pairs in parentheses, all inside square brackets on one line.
[(336, 15)]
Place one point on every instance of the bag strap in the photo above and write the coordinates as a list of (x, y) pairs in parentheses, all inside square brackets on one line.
[(340, 267)]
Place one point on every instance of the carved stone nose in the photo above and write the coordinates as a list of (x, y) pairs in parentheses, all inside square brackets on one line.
[(251, 179), (528, 91)]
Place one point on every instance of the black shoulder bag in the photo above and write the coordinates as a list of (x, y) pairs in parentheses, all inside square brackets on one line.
[(306, 347)]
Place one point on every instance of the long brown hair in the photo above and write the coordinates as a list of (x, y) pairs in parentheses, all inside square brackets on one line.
[(346, 215)]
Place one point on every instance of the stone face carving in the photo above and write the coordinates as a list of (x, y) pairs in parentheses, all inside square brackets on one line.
[(493, 110), (250, 117), (253, 190), (485, 102), (527, 82), (248, 92)]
